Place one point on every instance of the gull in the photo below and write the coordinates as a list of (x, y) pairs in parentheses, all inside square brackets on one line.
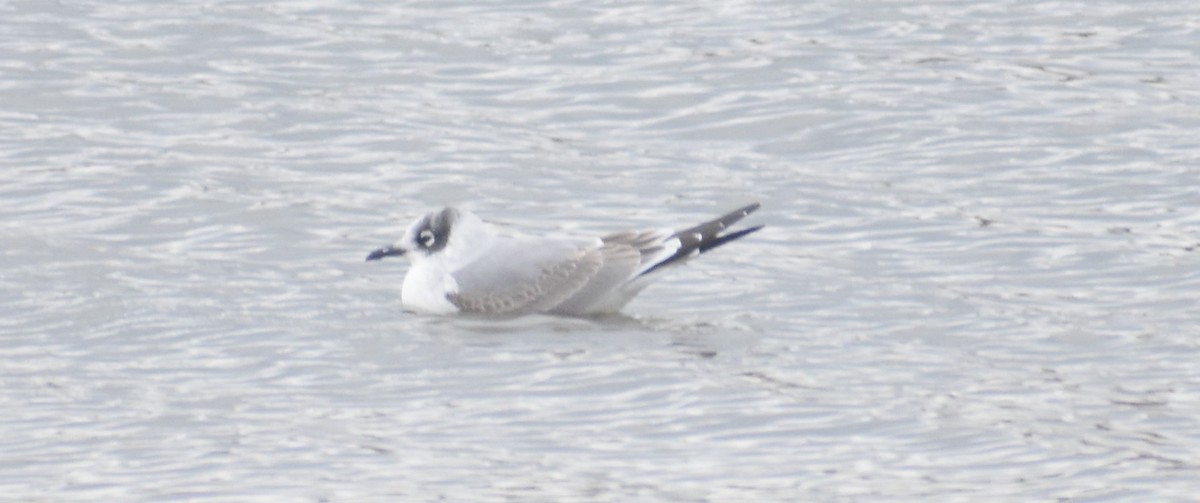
[(462, 264)]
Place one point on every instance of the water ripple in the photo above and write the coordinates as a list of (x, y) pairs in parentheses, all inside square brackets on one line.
[(976, 281)]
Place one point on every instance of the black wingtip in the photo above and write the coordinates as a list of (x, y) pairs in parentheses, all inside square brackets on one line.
[(727, 219), (706, 236), (726, 238)]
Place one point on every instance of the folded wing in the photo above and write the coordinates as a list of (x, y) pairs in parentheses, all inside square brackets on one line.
[(544, 281), (583, 278)]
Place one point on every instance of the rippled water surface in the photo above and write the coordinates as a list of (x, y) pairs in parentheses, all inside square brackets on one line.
[(978, 279)]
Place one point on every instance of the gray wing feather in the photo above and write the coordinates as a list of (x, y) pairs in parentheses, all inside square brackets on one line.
[(620, 263), (554, 282), (653, 246), (560, 281)]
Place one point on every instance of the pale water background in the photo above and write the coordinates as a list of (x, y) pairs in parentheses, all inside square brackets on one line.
[(978, 280)]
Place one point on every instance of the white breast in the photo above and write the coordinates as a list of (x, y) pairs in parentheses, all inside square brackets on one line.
[(426, 286)]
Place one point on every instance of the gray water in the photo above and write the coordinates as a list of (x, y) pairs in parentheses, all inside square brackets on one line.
[(978, 279)]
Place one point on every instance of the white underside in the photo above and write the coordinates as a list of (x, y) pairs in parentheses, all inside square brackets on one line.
[(425, 288)]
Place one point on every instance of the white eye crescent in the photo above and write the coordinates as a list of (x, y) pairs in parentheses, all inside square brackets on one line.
[(425, 238)]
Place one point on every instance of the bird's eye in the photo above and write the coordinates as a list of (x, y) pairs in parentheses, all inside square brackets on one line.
[(425, 238)]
